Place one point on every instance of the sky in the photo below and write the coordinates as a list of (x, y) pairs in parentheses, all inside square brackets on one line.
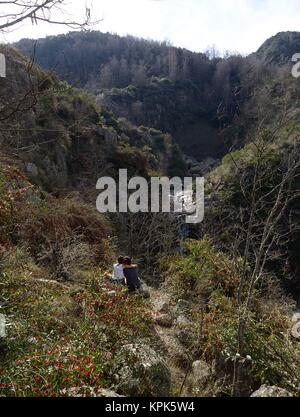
[(229, 25)]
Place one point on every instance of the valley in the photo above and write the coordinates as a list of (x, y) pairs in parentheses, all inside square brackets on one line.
[(223, 293)]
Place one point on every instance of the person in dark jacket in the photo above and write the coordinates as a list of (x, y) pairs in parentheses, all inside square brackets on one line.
[(131, 275)]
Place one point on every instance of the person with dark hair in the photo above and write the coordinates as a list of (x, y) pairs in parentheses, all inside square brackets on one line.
[(131, 274), (118, 275)]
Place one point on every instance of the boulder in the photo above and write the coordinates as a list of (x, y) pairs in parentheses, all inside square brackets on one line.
[(185, 337), (182, 321), (296, 318), (225, 365), (198, 378), (2, 326), (196, 169), (267, 391), (78, 392), (109, 394), (145, 292), (161, 306), (201, 373), (182, 306), (87, 391), (2, 66), (295, 332), (140, 371), (31, 169), (164, 320), (204, 167)]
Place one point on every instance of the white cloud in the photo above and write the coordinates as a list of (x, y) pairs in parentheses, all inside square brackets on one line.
[(236, 25)]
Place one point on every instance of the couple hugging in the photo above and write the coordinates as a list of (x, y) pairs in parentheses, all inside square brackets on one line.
[(126, 273)]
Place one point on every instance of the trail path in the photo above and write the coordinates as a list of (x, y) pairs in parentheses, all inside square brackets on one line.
[(173, 351)]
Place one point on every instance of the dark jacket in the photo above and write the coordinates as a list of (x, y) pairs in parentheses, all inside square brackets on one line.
[(132, 278)]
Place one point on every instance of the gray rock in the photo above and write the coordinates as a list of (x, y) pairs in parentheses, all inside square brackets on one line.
[(141, 372), (204, 167), (198, 378), (267, 391), (182, 321), (88, 391), (185, 337), (161, 306), (145, 292), (196, 169), (2, 326), (182, 306), (295, 332), (76, 392), (164, 320), (296, 318), (190, 160), (31, 169), (2, 66), (201, 372), (109, 394)]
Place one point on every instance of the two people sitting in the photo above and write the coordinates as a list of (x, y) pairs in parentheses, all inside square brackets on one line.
[(126, 273)]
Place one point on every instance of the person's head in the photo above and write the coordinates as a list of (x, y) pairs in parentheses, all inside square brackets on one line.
[(127, 260), (120, 260)]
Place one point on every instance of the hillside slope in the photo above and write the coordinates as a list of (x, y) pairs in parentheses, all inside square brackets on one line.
[(171, 89), (65, 139), (279, 49), (220, 320), (203, 102)]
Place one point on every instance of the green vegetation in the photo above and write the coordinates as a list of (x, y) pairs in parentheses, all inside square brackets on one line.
[(210, 279), (65, 325), (228, 296)]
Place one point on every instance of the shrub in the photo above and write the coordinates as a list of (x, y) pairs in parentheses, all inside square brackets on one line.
[(64, 234), (209, 279), (13, 189), (201, 272), (63, 340)]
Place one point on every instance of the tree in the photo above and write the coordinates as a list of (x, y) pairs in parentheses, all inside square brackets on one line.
[(265, 222), (18, 11), (262, 222), (106, 77), (15, 12), (148, 235), (173, 64), (139, 75)]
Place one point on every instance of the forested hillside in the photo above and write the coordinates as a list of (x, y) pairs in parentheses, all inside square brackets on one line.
[(140, 79), (96, 60), (57, 128), (206, 102)]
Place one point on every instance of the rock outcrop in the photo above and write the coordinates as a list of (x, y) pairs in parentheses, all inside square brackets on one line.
[(109, 394), (198, 378), (267, 391), (2, 326), (140, 371), (295, 331)]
